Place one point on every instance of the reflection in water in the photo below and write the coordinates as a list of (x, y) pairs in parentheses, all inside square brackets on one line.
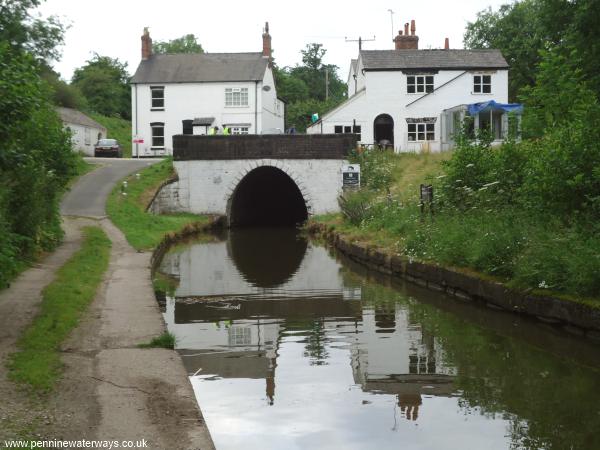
[(290, 349), (266, 257)]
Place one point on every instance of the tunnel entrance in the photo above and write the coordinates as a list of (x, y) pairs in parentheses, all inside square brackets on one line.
[(267, 196)]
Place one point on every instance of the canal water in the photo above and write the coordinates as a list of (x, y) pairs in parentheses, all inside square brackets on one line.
[(288, 346)]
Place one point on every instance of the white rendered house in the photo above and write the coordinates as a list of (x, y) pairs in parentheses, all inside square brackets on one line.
[(407, 98), (190, 93), (85, 131)]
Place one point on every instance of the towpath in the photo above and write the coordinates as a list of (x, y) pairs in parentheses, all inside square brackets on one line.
[(111, 389)]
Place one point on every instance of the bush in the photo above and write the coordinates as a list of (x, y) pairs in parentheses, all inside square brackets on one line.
[(376, 167), (355, 206), (36, 163)]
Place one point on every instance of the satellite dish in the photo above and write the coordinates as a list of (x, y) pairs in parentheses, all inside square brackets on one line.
[(266, 88)]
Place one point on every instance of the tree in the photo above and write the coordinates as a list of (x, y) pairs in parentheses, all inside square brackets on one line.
[(22, 32), (516, 30), (524, 30), (289, 88), (104, 82), (312, 73), (63, 94), (36, 160), (303, 87), (184, 44)]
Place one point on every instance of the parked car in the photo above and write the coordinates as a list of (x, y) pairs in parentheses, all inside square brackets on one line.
[(108, 147)]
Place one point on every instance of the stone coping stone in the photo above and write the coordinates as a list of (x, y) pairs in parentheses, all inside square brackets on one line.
[(250, 146)]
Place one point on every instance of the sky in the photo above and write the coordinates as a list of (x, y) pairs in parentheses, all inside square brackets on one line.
[(114, 27)]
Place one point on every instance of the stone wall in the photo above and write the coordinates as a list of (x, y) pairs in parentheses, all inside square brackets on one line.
[(167, 199)]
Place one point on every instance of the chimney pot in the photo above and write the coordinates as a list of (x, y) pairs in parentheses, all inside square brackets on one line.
[(146, 44), (406, 41), (413, 28), (447, 44)]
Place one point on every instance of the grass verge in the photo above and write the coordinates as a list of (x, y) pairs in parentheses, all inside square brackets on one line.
[(127, 204), (37, 363), (165, 340)]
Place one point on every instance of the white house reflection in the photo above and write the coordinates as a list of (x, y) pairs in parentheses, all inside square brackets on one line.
[(232, 324)]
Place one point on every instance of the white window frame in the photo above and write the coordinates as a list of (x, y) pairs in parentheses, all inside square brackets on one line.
[(157, 126), (423, 130), (155, 102), (87, 136), (239, 129), (420, 84), (236, 97), (480, 83)]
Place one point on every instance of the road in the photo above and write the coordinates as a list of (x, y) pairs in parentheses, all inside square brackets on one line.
[(88, 195)]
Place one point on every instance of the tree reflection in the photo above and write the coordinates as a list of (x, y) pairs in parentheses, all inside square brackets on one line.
[(550, 401)]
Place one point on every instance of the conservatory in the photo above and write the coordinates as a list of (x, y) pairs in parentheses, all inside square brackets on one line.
[(500, 119)]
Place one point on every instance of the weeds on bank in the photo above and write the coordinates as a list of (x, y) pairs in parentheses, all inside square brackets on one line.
[(492, 214), (165, 340), (37, 362), (127, 204)]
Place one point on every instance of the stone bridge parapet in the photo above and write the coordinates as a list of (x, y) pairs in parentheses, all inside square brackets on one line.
[(249, 146)]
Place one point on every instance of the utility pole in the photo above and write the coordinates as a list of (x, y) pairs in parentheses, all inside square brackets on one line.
[(392, 18), (326, 84), (360, 40)]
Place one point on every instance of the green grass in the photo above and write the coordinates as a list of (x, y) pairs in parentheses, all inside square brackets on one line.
[(502, 242), (117, 128), (144, 231), (165, 340), (37, 363)]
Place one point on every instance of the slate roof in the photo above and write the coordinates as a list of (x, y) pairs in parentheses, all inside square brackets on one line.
[(432, 59), (69, 115), (189, 68)]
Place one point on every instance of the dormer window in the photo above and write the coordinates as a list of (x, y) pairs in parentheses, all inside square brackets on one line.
[(419, 84), (158, 97), (482, 84)]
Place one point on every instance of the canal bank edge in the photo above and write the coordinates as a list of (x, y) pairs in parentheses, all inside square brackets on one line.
[(573, 317), (188, 231)]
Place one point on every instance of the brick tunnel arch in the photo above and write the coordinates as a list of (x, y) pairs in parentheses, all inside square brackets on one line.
[(267, 195)]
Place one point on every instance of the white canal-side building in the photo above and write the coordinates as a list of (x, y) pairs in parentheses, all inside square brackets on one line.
[(191, 93), (414, 99), (85, 131)]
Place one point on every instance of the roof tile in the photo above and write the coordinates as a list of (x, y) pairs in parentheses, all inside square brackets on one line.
[(432, 59), (201, 67)]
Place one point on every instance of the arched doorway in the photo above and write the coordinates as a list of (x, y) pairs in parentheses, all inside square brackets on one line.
[(383, 130), (266, 196)]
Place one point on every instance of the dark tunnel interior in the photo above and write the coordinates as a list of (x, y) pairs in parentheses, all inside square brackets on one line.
[(267, 196)]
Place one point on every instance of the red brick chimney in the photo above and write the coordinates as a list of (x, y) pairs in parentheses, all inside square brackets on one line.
[(146, 44), (266, 41), (407, 41), (447, 44)]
